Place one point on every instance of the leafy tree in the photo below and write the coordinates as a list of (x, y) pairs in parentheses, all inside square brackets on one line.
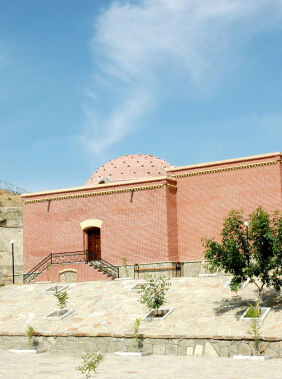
[(249, 250), (153, 293)]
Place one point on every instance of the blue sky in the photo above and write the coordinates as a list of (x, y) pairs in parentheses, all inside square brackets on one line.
[(82, 82)]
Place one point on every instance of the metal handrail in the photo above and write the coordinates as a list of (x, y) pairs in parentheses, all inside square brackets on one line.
[(66, 254), (64, 257), (46, 259), (105, 266), (41, 266), (35, 269)]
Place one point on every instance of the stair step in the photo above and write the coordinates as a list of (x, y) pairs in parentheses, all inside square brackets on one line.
[(101, 271)]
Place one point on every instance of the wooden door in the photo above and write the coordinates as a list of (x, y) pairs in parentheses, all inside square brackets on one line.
[(94, 244)]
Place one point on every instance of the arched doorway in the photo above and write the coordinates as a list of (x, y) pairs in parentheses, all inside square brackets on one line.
[(93, 243)]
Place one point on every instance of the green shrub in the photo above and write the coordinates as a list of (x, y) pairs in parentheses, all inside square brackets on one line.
[(253, 312), (138, 340), (62, 298), (48, 266), (30, 335), (90, 362), (255, 332), (153, 293), (124, 263)]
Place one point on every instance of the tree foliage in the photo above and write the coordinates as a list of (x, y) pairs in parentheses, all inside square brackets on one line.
[(153, 292), (138, 340), (30, 334), (90, 362), (62, 298), (249, 250)]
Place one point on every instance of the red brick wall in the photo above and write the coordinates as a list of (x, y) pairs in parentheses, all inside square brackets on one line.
[(84, 273), (152, 225), (134, 226), (204, 200)]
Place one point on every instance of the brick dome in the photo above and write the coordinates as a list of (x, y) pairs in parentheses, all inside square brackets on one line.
[(129, 167)]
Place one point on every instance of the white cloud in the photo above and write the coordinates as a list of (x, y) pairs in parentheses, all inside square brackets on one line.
[(142, 48), (101, 133)]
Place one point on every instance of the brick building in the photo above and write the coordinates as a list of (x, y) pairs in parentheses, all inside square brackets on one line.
[(141, 209)]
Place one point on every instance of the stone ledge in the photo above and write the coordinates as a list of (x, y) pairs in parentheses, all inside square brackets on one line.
[(146, 336)]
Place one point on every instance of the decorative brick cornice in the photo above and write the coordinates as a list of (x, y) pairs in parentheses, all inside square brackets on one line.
[(96, 193), (223, 169), (236, 161), (171, 186)]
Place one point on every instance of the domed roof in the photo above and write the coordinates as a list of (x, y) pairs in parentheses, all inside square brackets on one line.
[(129, 167)]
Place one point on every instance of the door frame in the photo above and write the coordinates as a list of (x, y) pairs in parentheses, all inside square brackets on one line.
[(86, 242), (85, 226)]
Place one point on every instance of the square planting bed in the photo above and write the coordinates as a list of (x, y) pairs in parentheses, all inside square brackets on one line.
[(161, 314), (133, 353), (227, 285), (53, 289), (137, 286), (264, 313), (208, 274), (59, 314), (27, 351), (252, 357)]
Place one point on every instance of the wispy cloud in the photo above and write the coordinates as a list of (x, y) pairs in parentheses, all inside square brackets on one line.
[(141, 50), (99, 134)]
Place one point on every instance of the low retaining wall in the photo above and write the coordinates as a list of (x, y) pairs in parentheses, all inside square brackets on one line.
[(6, 276), (166, 269), (215, 346)]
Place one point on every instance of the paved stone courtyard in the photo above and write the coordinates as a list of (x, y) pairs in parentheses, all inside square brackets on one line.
[(202, 306), (43, 366)]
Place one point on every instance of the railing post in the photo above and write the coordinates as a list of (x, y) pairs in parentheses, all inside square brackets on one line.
[(51, 258), (136, 266), (178, 269)]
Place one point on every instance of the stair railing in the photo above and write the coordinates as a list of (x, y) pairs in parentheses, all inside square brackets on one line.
[(55, 258), (36, 270), (71, 257), (104, 266)]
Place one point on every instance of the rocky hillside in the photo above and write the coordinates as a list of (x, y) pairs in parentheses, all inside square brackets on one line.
[(10, 199), (10, 229)]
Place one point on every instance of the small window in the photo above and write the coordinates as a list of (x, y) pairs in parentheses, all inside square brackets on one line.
[(104, 180)]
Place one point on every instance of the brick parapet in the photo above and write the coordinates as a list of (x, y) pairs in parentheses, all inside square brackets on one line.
[(98, 190), (227, 165)]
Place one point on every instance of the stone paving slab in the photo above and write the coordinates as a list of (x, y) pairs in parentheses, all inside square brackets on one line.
[(43, 366), (203, 307)]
